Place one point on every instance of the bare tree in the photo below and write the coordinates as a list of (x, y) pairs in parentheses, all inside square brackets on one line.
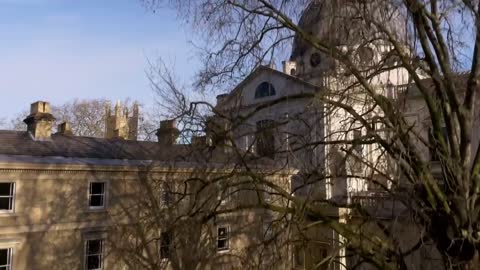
[(430, 43)]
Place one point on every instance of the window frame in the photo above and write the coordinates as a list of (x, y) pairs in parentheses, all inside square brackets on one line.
[(260, 89), (12, 197), (104, 195), (10, 251), (101, 254), (225, 238)]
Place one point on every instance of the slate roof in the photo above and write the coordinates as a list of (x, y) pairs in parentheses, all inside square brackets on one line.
[(21, 143)]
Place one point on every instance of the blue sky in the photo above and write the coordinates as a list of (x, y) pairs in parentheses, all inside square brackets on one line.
[(57, 50)]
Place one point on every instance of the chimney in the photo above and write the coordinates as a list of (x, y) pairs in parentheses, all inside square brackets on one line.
[(218, 131), (40, 121), (168, 133), (289, 67), (64, 129)]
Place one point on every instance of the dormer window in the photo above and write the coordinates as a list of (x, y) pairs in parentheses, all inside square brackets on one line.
[(265, 89)]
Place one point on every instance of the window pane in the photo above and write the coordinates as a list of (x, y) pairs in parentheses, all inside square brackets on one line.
[(5, 204), (94, 247), (96, 188), (6, 189), (222, 232), (94, 262), (96, 200), (4, 254), (264, 89), (222, 244)]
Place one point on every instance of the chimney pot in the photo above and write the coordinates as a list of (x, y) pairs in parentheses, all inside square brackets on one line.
[(64, 129)]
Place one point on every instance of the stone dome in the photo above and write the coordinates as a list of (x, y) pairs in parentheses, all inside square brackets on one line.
[(339, 22)]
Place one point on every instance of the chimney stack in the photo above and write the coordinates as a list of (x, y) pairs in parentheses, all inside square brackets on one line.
[(64, 129), (168, 133), (40, 121), (218, 132)]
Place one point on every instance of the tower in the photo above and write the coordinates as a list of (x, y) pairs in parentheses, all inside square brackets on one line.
[(120, 124)]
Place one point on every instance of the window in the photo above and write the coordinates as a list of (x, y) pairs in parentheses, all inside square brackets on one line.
[(5, 259), (165, 245), (365, 55), (7, 197), (94, 254), (223, 238), (265, 138), (265, 89), (96, 195), (167, 194)]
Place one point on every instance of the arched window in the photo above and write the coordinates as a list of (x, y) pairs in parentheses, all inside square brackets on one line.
[(265, 89)]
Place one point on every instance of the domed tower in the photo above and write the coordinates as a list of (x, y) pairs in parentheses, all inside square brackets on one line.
[(351, 27), (345, 25)]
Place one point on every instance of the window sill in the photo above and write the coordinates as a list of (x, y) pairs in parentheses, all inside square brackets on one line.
[(8, 214), (223, 251), (96, 210)]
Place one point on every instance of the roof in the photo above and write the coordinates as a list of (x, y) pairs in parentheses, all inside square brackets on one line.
[(21, 143), (339, 22), (20, 147)]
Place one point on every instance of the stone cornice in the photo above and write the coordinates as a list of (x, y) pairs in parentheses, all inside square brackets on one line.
[(16, 164)]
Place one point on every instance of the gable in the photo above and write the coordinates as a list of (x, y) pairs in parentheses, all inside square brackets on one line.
[(268, 84)]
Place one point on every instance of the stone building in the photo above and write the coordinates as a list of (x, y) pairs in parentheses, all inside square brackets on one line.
[(70, 202)]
